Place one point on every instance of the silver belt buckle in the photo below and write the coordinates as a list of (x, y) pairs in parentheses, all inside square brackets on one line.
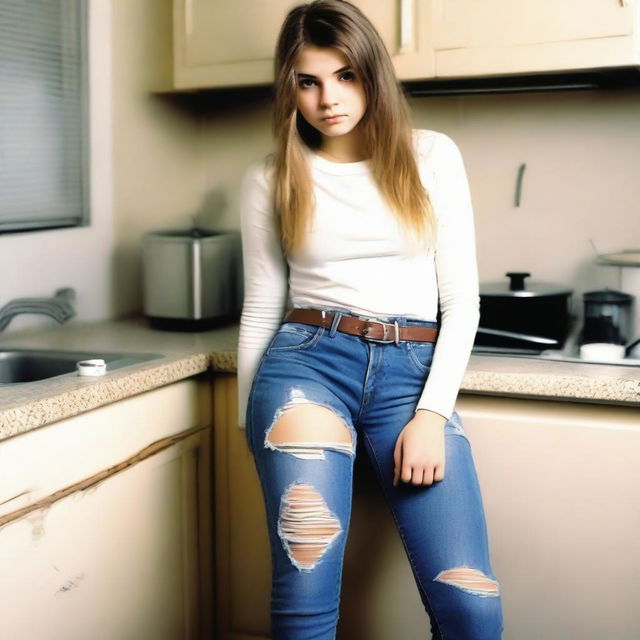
[(385, 326)]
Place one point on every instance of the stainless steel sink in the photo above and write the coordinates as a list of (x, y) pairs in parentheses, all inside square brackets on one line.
[(21, 366)]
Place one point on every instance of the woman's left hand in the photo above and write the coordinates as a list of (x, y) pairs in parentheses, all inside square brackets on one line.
[(419, 454)]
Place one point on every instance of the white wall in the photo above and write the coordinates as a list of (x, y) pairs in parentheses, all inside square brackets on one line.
[(36, 263), (582, 152), (157, 165)]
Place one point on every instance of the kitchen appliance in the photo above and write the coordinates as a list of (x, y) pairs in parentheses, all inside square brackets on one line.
[(192, 278), (607, 317), (515, 314), (608, 323), (628, 263)]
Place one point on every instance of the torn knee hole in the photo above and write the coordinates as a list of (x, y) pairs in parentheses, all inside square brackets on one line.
[(469, 580), (306, 430), (306, 525)]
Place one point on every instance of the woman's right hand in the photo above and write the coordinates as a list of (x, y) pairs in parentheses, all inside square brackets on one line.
[(419, 454)]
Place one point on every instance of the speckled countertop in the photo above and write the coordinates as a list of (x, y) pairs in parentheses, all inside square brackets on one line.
[(28, 406)]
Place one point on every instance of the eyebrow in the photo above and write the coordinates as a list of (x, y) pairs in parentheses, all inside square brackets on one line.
[(308, 75)]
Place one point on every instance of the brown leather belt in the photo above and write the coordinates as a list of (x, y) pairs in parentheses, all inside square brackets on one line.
[(367, 328)]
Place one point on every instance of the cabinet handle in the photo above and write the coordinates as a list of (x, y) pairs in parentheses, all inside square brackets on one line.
[(406, 25), (188, 17), (521, 169)]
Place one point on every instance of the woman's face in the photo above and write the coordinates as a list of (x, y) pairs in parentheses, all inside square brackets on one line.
[(327, 86)]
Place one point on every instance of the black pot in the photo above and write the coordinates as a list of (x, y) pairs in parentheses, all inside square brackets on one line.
[(512, 314)]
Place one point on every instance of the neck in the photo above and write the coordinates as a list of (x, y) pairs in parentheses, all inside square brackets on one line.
[(346, 148)]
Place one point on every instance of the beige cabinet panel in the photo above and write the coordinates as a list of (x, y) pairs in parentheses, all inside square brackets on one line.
[(560, 484), (243, 558), (405, 28), (468, 23), (105, 527), (227, 43), (502, 36)]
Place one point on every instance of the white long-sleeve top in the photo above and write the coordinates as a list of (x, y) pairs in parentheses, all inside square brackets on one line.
[(356, 258)]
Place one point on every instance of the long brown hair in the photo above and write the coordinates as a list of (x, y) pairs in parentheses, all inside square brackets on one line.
[(386, 124)]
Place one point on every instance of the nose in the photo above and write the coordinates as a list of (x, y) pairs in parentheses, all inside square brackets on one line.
[(328, 96)]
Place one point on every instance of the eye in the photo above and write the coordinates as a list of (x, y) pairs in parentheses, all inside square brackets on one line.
[(302, 84), (348, 75)]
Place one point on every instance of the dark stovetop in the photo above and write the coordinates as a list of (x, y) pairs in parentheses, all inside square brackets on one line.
[(570, 352)]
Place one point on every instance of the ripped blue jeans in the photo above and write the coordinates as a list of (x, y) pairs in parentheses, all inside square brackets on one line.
[(373, 389)]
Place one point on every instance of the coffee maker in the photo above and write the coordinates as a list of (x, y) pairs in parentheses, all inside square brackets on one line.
[(607, 325)]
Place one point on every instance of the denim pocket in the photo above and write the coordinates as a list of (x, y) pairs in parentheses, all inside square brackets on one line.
[(421, 354), (294, 336)]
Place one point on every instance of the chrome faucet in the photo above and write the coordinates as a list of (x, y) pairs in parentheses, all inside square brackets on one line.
[(60, 307)]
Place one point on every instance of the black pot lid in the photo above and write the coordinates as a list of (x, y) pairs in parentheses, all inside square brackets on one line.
[(607, 295), (515, 286)]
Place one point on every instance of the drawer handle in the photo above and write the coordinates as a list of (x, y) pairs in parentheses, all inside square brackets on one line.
[(188, 17), (406, 25)]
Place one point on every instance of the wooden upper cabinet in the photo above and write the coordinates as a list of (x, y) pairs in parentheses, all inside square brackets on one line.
[(473, 38), (225, 43), (230, 43), (405, 28)]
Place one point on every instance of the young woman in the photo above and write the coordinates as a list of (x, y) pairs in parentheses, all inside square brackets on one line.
[(361, 307)]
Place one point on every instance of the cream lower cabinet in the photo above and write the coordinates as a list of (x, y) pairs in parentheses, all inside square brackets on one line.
[(229, 43), (561, 487), (105, 522), (560, 483), (472, 38)]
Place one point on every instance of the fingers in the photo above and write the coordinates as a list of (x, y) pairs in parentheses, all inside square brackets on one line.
[(415, 470), (397, 460), (407, 473), (418, 475), (415, 474), (438, 473)]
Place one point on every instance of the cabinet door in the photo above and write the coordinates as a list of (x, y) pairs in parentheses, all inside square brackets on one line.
[(243, 556), (502, 36), (226, 43), (105, 522), (560, 484), (405, 28)]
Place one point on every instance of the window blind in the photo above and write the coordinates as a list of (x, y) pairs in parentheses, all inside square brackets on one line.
[(43, 114)]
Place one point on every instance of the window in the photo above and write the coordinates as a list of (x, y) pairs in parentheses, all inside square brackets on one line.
[(44, 164)]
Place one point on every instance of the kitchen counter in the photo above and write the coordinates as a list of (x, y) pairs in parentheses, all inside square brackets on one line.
[(28, 406)]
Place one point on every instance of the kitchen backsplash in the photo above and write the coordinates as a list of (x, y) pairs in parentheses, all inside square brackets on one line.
[(581, 150)]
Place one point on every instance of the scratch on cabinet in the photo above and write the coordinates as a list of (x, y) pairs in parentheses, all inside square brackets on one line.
[(94, 480), (19, 495), (71, 584)]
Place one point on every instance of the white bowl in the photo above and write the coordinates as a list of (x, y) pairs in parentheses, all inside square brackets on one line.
[(602, 351)]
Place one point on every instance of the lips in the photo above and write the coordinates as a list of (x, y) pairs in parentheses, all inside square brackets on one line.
[(336, 118)]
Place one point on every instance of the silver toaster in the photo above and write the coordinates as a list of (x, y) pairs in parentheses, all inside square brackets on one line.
[(192, 279)]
